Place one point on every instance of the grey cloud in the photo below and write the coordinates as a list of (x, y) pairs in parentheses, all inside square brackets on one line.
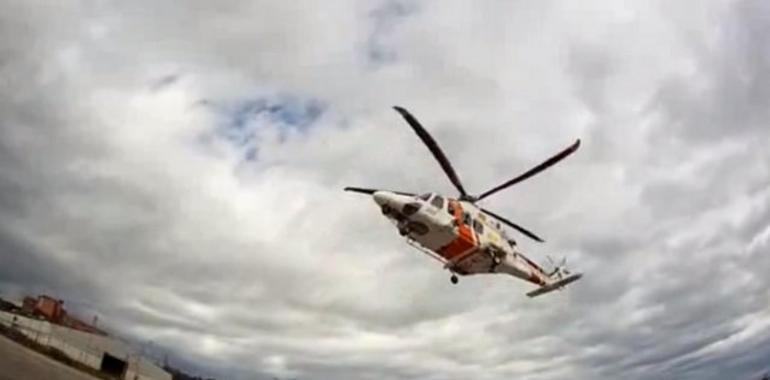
[(729, 92), (108, 197)]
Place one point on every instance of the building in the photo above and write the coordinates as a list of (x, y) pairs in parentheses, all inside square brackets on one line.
[(28, 305), (49, 308), (104, 353), (8, 306), (52, 310), (77, 324)]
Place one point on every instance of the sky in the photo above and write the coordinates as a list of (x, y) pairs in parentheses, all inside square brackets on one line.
[(177, 168)]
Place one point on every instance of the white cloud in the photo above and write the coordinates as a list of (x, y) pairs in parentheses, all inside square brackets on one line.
[(119, 190)]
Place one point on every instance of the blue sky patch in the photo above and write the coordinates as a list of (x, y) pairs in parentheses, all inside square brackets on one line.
[(241, 121)]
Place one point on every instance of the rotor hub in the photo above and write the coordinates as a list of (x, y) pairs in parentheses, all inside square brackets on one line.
[(469, 198)]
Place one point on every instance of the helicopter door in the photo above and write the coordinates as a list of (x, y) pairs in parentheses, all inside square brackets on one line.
[(464, 243)]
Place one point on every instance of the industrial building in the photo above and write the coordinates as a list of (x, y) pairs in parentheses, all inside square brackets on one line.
[(53, 311), (95, 349)]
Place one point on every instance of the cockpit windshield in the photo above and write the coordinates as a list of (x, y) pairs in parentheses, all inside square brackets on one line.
[(425, 196), (437, 202)]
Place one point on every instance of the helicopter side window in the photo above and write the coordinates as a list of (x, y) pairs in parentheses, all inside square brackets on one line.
[(478, 227), (425, 197), (466, 219), (437, 202)]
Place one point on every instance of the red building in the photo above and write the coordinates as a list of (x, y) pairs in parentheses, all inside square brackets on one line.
[(53, 311), (50, 308), (28, 305)]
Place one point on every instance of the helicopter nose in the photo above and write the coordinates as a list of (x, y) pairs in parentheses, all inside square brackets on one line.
[(392, 202), (382, 198)]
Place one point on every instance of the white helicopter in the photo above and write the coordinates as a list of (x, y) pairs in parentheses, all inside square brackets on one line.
[(466, 238)]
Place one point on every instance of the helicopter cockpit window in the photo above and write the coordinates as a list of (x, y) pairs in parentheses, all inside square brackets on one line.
[(411, 208), (437, 202), (425, 196), (478, 227)]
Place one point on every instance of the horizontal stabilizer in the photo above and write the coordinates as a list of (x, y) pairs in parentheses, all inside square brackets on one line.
[(556, 285)]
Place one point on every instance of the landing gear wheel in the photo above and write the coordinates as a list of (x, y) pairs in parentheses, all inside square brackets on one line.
[(454, 279), (403, 231), (495, 262)]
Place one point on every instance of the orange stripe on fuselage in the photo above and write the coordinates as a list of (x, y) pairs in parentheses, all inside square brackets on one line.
[(465, 243), (535, 279)]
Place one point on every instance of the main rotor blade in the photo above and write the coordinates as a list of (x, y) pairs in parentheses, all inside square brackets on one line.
[(514, 226), (360, 190), (364, 190), (537, 169), (434, 148)]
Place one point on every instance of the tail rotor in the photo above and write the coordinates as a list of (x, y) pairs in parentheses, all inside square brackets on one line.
[(559, 276), (559, 270)]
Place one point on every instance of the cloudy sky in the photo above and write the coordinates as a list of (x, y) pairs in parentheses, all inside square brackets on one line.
[(176, 167)]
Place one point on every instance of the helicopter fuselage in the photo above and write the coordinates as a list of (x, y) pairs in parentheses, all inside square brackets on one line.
[(457, 233), (466, 238)]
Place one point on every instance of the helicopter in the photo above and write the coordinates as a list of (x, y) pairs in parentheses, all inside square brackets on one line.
[(465, 237)]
